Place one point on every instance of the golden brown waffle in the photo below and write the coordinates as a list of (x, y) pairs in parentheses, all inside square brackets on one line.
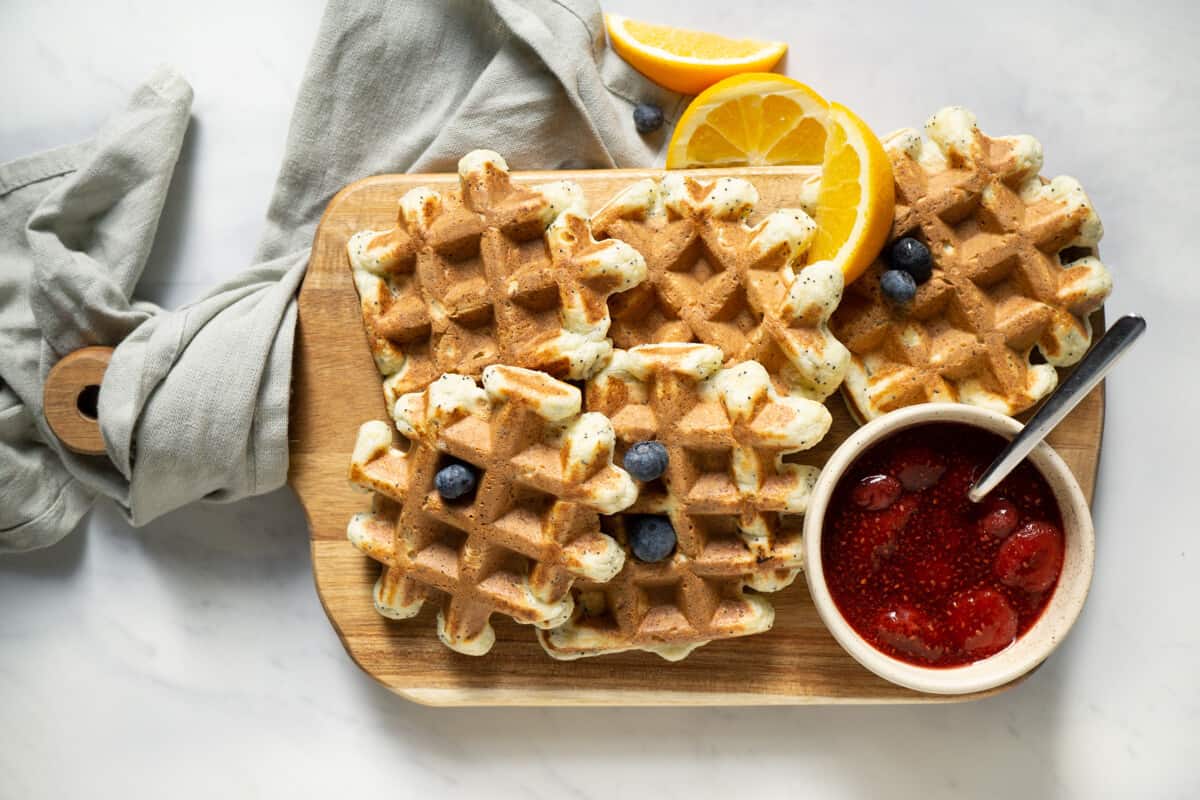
[(1014, 268), (490, 273), (732, 500), (713, 278), (529, 529)]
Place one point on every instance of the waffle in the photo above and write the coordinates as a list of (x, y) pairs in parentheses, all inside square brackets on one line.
[(732, 501), (715, 279), (1015, 269), (530, 528), (490, 273)]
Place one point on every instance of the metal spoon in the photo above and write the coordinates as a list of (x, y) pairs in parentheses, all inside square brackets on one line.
[(1111, 346)]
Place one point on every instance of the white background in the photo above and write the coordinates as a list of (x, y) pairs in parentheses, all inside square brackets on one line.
[(192, 659)]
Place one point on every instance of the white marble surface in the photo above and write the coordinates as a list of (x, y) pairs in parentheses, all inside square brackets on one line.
[(192, 656)]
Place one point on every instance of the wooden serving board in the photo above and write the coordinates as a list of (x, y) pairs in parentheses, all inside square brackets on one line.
[(337, 388)]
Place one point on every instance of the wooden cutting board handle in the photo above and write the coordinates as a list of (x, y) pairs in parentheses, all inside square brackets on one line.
[(71, 397)]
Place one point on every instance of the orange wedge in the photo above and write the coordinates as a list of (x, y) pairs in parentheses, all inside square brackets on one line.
[(759, 118), (687, 61), (857, 195)]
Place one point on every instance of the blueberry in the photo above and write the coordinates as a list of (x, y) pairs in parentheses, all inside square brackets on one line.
[(454, 481), (912, 256), (651, 538), (646, 461), (647, 118), (898, 286)]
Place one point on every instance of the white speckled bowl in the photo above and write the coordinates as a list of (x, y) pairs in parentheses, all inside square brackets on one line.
[(1040, 640)]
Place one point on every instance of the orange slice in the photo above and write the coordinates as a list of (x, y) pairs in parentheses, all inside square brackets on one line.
[(687, 61), (857, 195), (759, 119)]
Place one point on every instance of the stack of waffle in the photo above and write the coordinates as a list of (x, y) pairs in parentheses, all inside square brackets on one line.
[(691, 320)]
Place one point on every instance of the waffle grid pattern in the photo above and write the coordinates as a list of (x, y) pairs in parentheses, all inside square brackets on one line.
[(492, 273), (713, 278), (1014, 269), (529, 529), (730, 498)]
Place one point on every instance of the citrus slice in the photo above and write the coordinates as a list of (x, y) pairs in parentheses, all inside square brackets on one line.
[(857, 196), (759, 118), (687, 61)]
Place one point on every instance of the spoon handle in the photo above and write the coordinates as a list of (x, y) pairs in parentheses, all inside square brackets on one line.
[(1111, 346)]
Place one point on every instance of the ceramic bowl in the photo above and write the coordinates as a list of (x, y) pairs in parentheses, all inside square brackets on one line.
[(1027, 651)]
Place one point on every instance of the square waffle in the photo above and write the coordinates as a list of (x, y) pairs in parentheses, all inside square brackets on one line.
[(1014, 269), (529, 529), (715, 279), (490, 273), (731, 499)]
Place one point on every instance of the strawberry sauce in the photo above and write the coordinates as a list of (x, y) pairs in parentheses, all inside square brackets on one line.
[(924, 574)]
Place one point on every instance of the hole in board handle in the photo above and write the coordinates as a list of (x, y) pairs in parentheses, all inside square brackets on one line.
[(88, 402)]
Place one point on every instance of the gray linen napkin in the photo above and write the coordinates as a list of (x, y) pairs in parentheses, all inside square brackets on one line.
[(195, 403)]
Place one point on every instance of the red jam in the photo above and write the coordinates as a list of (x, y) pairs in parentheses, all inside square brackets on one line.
[(924, 574)]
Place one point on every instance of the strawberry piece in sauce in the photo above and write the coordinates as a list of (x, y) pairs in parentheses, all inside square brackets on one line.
[(909, 631), (918, 468), (1031, 558), (981, 622), (1000, 517), (876, 492)]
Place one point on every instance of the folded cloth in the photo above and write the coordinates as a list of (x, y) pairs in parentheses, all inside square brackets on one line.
[(195, 402)]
